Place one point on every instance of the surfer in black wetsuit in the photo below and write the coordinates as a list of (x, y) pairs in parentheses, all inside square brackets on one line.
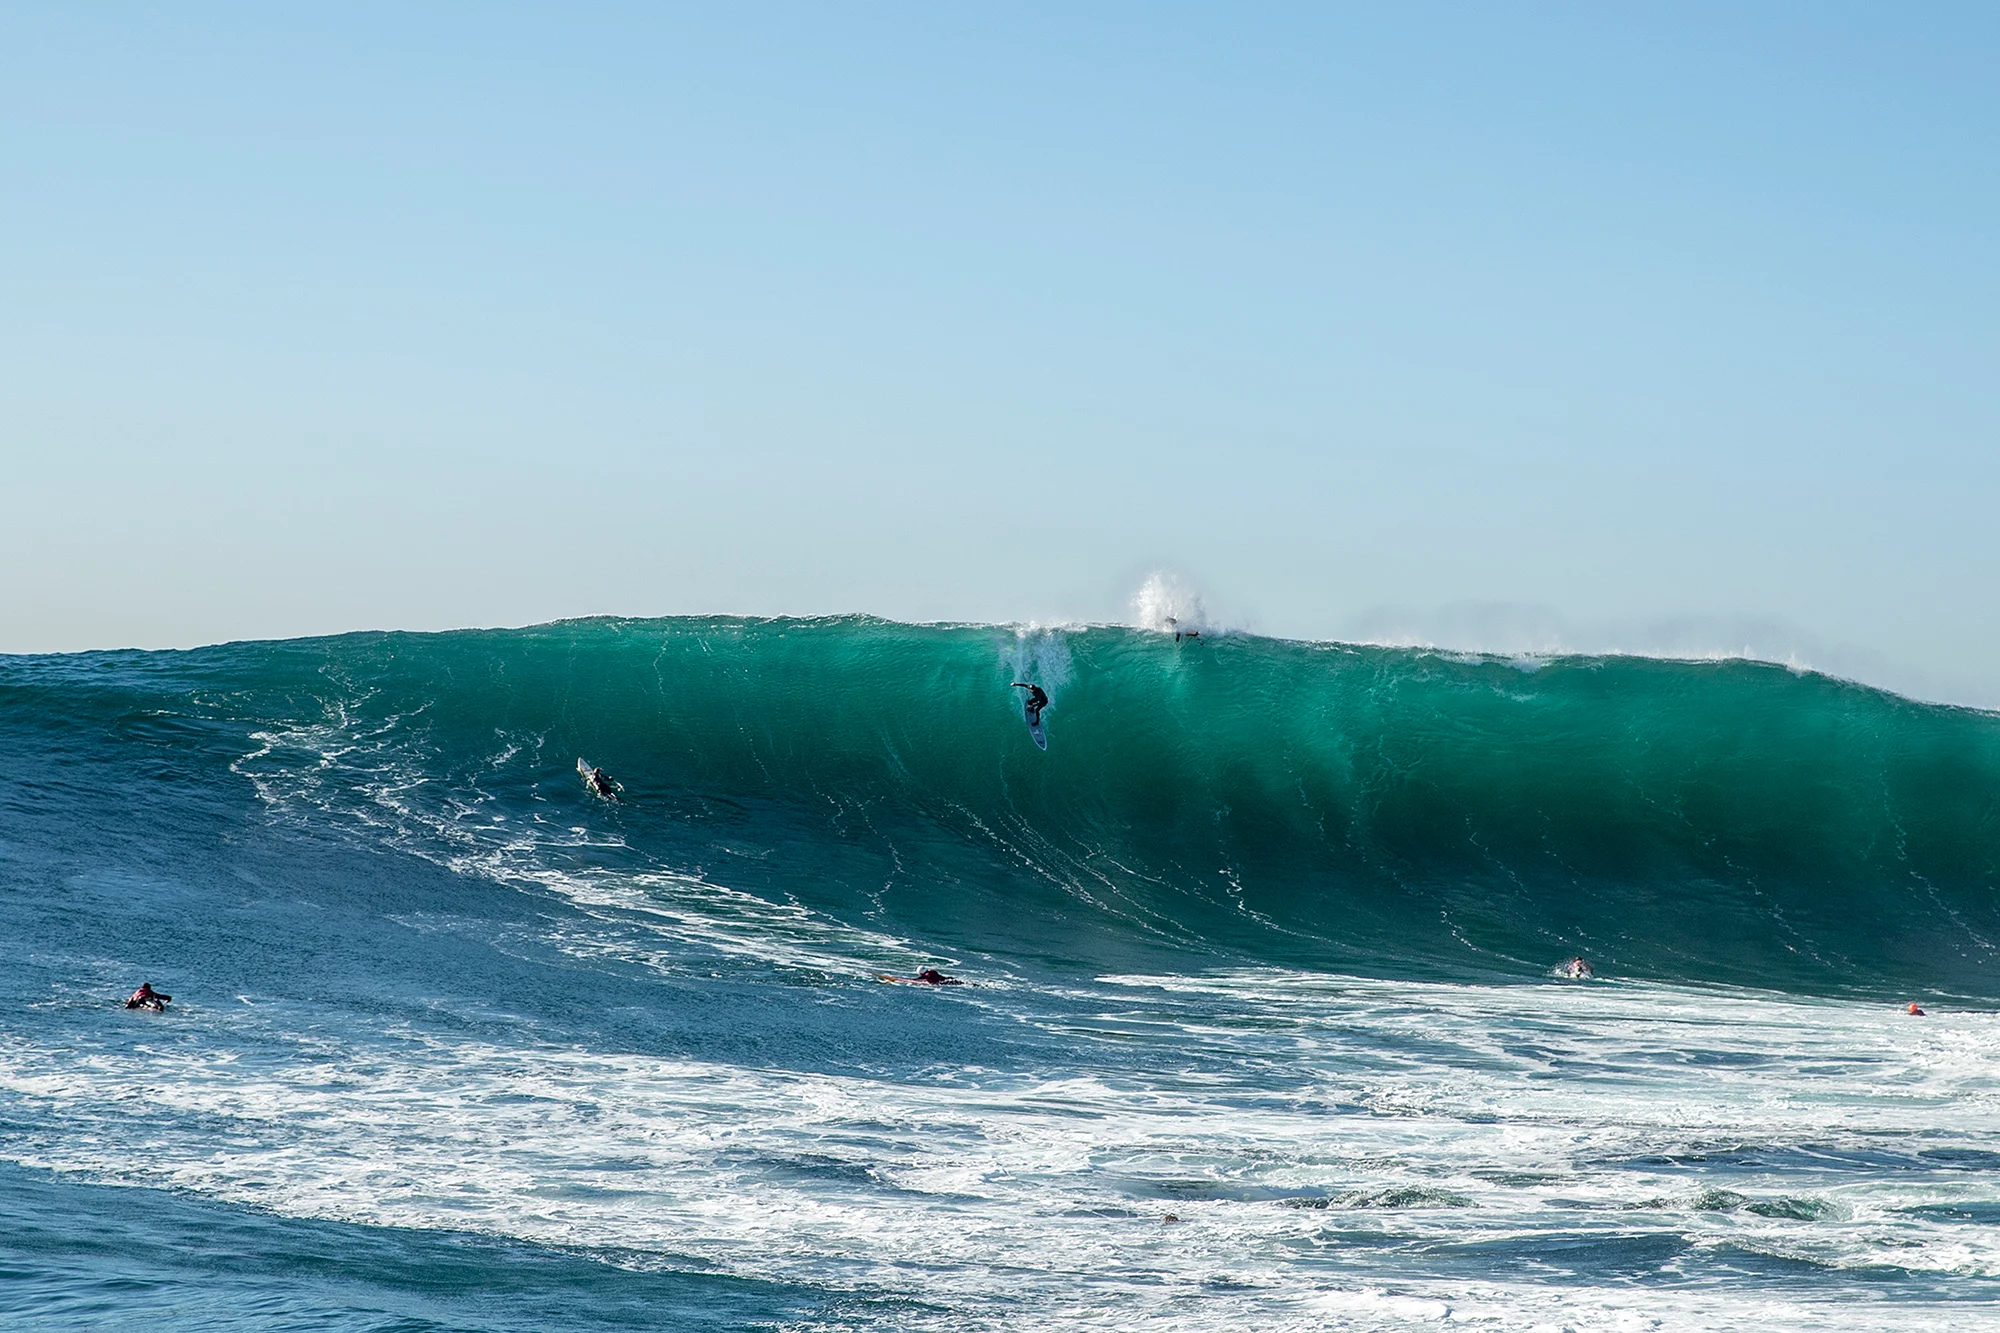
[(930, 976), (600, 782), (1038, 699), (148, 998)]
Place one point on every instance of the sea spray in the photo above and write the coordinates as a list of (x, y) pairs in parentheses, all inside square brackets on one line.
[(1168, 604)]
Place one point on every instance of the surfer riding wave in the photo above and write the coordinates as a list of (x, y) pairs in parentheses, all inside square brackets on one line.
[(1038, 699)]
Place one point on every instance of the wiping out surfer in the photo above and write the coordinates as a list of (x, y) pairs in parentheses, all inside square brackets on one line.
[(1038, 699), (1180, 633), (148, 998), (1577, 969)]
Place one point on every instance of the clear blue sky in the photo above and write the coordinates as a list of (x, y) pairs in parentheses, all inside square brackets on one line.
[(318, 318)]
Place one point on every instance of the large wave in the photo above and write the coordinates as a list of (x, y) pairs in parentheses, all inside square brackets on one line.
[(1218, 798)]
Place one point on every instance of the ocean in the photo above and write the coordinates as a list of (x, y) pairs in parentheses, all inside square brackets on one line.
[(1263, 1025)]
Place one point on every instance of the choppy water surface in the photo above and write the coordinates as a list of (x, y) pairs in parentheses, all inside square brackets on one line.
[(1262, 944)]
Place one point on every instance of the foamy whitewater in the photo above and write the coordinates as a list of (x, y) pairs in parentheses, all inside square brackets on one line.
[(1265, 943)]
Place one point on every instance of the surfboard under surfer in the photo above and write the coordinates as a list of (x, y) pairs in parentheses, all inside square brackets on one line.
[(1038, 699)]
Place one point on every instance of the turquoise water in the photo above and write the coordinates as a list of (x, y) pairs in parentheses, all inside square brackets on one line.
[(1263, 941)]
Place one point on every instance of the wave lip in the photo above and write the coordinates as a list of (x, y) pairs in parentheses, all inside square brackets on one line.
[(1511, 630)]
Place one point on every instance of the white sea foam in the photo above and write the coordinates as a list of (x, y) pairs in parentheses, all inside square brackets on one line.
[(1429, 1120)]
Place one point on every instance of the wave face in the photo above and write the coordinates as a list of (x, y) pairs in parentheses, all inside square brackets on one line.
[(1229, 799)]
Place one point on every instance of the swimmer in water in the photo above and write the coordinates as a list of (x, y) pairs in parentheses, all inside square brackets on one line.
[(148, 998), (1038, 699), (1917, 1011), (1579, 969)]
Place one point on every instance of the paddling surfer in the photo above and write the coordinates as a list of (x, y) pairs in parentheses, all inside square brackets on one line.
[(148, 998), (930, 976)]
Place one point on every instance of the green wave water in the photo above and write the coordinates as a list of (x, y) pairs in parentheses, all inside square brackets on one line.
[(1235, 798)]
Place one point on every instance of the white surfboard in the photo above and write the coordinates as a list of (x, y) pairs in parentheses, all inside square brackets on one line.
[(1035, 731)]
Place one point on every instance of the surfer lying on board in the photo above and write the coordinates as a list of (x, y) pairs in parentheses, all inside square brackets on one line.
[(930, 976), (1038, 699), (148, 998), (601, 783)]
